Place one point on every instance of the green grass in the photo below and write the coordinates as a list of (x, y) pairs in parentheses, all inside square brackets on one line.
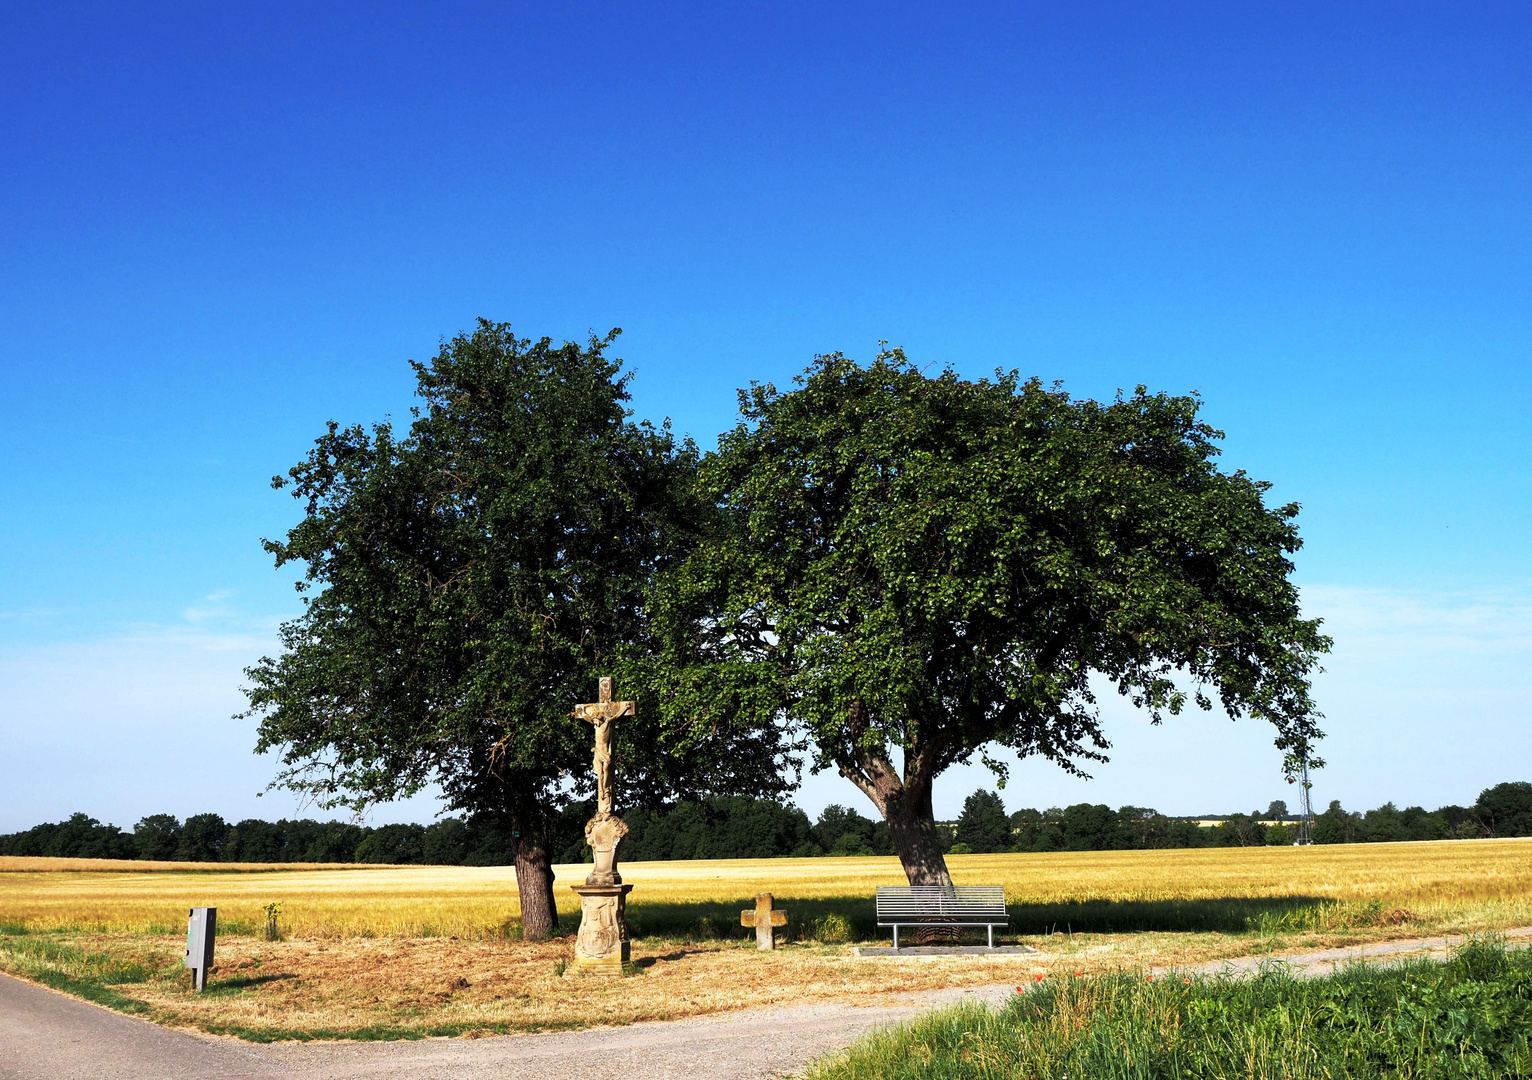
[(37, 956), (92, 976), (1466, 1019)]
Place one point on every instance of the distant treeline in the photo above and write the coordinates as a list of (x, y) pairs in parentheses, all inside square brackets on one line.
[(1503, 810), (743, 828), (723, 828), (208, 838)]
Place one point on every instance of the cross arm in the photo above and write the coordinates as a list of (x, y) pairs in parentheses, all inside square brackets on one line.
[(778, 918), (596, 711)]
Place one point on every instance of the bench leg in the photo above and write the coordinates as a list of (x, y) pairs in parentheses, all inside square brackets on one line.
[(896, 937), (991, 930)]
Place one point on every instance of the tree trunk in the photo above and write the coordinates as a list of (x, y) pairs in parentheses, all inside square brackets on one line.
[(912, 827), (534, 878), (905, 803)]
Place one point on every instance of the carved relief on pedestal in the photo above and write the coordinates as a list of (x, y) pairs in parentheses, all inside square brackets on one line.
[(598, 930)]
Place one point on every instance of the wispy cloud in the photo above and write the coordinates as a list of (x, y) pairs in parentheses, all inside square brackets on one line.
[(212, 608), (1417, 619), (142, 721), (1403, 648), (1427, 696)]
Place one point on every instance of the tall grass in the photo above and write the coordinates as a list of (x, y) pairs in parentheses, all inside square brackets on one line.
[(1468, 1018)]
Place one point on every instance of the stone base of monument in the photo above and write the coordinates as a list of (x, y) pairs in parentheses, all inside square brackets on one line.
[(602, 946)]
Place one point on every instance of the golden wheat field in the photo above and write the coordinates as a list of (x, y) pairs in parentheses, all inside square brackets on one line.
[(1454, 880), (378, 951)]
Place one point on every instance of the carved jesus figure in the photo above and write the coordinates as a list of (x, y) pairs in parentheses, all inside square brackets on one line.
[(601, 714)]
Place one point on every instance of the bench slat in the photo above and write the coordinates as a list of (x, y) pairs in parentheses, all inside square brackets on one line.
[(979, 904)]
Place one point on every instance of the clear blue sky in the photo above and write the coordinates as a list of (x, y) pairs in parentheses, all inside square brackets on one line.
[(221, 227)]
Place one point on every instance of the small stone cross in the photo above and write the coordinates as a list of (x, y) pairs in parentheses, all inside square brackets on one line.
[(764, 918)]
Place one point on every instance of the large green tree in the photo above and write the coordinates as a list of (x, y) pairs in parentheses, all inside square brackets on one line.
[(915, 568), (465, 586)]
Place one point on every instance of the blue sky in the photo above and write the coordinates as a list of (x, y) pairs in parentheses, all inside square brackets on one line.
[(220, 228)]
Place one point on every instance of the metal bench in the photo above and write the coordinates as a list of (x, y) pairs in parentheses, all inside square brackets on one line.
[(942, 905)]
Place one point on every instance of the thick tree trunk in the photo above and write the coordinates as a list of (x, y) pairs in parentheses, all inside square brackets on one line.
[(905, 804), (912, 827), (534, 878)]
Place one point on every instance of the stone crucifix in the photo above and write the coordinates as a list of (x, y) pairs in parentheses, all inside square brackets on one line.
[(600, 714), (602, 945)]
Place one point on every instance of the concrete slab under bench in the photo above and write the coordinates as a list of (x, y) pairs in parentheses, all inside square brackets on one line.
[(914, 952)]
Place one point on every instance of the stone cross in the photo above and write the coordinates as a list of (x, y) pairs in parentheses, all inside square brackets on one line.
[(765, 919), (602, 945), (600, 714)]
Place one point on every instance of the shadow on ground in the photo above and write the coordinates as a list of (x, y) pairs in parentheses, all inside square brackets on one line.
[(236, 983), (1271, 914), (854, 918)]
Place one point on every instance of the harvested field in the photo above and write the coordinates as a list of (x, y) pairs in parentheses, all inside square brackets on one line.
[(400, 951), (1214, 889), (49, 864)]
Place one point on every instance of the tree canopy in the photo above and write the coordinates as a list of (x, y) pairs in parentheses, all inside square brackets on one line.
[(1506, 809), (468, 583), (915, 568)]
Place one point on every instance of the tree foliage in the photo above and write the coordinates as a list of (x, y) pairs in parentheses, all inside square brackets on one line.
[(467, 583), (1505, 809), (984, 826), (916, 568)]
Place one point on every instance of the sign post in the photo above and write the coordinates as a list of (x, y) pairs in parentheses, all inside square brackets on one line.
[(201, 928)]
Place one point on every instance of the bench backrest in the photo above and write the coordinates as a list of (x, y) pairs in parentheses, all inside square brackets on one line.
[(945, 903)]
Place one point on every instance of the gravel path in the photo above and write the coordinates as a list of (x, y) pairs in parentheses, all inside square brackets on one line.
[(45, 1034)]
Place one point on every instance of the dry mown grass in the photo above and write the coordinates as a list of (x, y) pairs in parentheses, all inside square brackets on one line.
[(421, 950), (382, 987)]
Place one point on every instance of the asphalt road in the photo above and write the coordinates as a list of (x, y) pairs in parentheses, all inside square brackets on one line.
[(45, 1035)]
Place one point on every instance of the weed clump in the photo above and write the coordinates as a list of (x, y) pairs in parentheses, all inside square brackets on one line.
[(832, 929), (273, 933)]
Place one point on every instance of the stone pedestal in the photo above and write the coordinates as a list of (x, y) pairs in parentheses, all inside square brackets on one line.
[(602, 946)]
